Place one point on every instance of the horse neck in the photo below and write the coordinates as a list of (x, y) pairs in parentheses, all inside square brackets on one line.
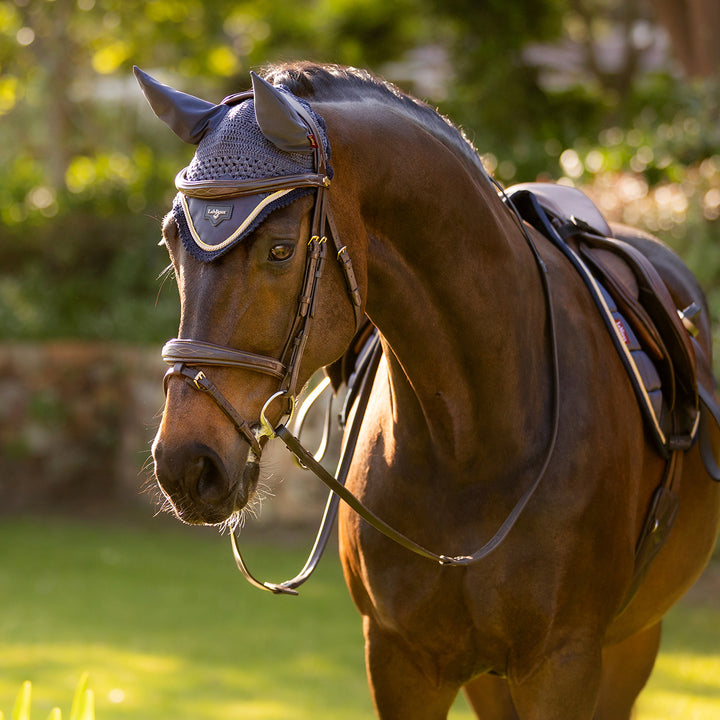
[(455, 291)]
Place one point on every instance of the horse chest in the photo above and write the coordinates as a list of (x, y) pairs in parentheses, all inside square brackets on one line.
[(456, 616)]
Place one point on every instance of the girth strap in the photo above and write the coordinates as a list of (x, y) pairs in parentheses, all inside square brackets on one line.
[(659, 521)]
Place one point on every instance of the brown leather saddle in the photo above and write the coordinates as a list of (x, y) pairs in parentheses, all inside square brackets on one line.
[(669, 371)]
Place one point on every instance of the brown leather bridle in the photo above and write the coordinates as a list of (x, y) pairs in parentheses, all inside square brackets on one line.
[(184, 355)]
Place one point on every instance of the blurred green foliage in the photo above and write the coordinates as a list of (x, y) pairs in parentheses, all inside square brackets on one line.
[(87, 170)]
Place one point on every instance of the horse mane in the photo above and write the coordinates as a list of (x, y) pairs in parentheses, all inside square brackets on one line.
[(337, 82)]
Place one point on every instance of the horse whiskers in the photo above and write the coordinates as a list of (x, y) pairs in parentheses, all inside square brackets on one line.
[(167, 274), (253, 508), (164, 506), (235, 522), (150, 487), (148, 469), (161, 501)]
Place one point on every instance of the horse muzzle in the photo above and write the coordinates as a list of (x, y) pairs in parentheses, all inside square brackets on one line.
[(203, 485), (198, 484)]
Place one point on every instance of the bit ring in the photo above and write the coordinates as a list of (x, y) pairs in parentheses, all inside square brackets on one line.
[(266, 429)]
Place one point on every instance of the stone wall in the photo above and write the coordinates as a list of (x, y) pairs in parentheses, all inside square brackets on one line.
[(76, 423)]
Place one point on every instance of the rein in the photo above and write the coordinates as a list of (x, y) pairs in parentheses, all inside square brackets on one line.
[(338, 491)]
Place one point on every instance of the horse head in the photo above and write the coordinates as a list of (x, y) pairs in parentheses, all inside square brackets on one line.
[(247, 237)]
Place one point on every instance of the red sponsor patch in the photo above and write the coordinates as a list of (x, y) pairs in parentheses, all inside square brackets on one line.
[(623, 331), (313, 141)]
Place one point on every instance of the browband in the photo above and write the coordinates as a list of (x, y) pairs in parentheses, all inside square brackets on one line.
[(217, 189)]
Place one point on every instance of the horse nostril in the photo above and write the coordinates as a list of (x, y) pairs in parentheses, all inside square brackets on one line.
[(192, 476), (210, 484)]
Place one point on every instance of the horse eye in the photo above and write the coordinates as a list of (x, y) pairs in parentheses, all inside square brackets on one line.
[(281, 251)]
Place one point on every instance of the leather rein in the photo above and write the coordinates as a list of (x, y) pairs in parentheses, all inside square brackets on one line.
[(184, 355)]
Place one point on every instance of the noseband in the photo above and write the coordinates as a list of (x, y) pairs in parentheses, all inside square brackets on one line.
[(184, 355)]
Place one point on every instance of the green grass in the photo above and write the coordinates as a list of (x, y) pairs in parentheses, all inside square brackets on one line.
[(685, 684), (168, 629)]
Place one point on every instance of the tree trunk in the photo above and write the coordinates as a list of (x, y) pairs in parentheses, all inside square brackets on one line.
[(694, 29)]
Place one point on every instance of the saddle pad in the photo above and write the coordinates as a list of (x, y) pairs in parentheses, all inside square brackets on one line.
[(645, 368)]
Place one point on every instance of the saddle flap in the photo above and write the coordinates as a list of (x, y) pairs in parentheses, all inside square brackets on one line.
[(648, 306), (570, 220)]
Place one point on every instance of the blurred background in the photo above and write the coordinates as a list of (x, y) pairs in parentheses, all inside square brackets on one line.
[(619, 97)]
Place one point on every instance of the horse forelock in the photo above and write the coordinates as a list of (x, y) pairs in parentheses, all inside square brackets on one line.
[(324, 82)]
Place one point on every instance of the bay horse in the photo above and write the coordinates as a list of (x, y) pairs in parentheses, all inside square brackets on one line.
[(469, 407)]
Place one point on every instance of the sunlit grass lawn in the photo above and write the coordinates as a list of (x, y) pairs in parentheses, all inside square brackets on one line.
[(685, 684), (168, 629)]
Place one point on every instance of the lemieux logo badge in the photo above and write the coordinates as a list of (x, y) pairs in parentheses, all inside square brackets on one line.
[(217, 213)]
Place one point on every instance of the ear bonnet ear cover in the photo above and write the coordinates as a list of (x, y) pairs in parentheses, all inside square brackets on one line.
[(190, 118), (236, 149)]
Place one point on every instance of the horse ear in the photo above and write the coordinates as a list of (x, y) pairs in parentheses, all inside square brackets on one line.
[(278, 119), (190, 118)]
